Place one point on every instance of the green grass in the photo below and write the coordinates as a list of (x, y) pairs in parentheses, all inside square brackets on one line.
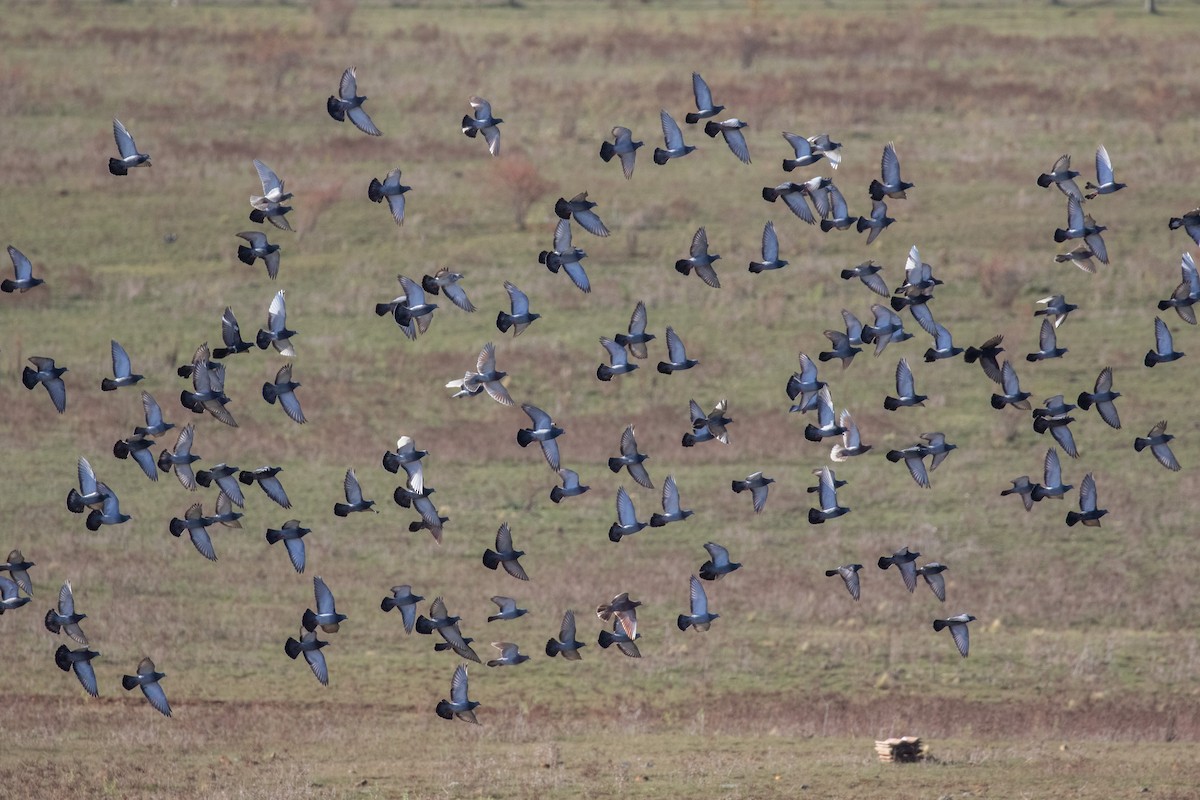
[(1082, 675)]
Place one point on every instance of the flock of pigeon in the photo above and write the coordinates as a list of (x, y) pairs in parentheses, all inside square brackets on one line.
[(817, 201)]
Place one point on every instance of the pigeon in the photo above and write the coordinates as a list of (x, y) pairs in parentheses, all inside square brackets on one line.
[(89, 493), (868, 273), (49, 375), (1011, 390), (22, 280), (932, 573), (181, 458), (1187, 293), (1102, 397), (566, 645), (637, 338), (483, 122), (770, 251), (18, 568), (430, 518), (311, 646), (521, 317), (700, 260), (627, 522), (580, 208), (826, 420), (1047, 344), (876, 222), (631, 459), (506, 609), (888, 328), (851, 440), (1190, 222), (809, 151), (326, 616), (274, 213), (1057, 426), (224, 513), (505, 554), (276, 333), (231, 337), (618, 361), (1164, 348), (284, 390), (446, 281), (81, 661), (259, 248), (849, 575), (843, 348), (1105, 182), (438, 618), (891, 184), (155, 426), (148, 679), (676, 355), (943, 344), (672, 138), (403, 599), (827, 498), (459, 705), (718, 564), (348, 103), (711, 425), (699, 617), (408, 458), (705, 107), (1022, 488), (805, 385), (1079, 225), (937, 446), (354, 497), (623, 147), (109, 512), (415, 308), (914, 460), (10, 597), (793, 195), (1081, 256), (543, 431), (1062, 176), (986, 355), (757, 484), (566, 256), (903, 559), (958, 630), (130, 157), (1052, 485), (1057, 307), (269, 207), (138, 446), (268, 480), (570, 485), (65, 618), (839, 213), (621, 639), (670, 501), (1157, 440), (208, 380), (509, 656), (392, 190), (223, 475), (905, 389), (731, 130), (488, 377), (194, 523), (622, 611)]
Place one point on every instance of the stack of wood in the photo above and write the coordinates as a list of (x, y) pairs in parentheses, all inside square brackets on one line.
[(903, 749)]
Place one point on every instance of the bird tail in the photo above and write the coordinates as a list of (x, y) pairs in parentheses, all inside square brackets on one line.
[(29, 377), (660, 156), (383, 309), (894, 456), (898, 303), (707, 572), (876, 190), (826, 226), (770, 194), (885, 562), (309, 620), (692, 119), (524, 437), (683, 622), (117, 167), (683, 266), (997, 402), (756, 266), (269, 393), (74, 502), (341, 509), (939, 624), (863, 224), (607, 151), (1044, 180), (468, 127), (120, 448), (245, 254), (388, 603), (614, 534), (491, 559), (258, 215), (689, 440), (61, 657), (8, 286), (712, 129), (615, 464), (1175, 223), (93, 520), (665, 368), (657, 520), (108, 385), (375, 191), (291, 647), (972, 354), (263, 340), (740, 486), (562, 208), (790, 164), (424, 625), (443, 710), (551, 648), (504, 322), (556, 494), (1139, 444), (1041, 426), (52, 625), (335, 109), (604, 372), (177, 527), (1084, 400), (1060, 235), (1072, 518), (128, 682), (891, 403), (815, 517), (204, 478), (605, 639), (812, 433)]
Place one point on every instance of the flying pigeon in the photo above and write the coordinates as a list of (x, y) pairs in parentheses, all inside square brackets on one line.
[(130, 157), (348, 103)]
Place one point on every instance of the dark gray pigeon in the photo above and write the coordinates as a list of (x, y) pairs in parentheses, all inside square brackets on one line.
[(731, 130), (932, 573), (310, 646), (705, 107), (700, 260), (509, 655), (958, 630), (155, 426), (521, 317), (326, 615), (1052, 484), (621, 610), (505, 554), (673, 140), (891, 184), (292, 534), (284, 390), (877, 222), (10, 597), (1010, 390), (1088, 512), (138, 447), (267, 479), (1102, 397), (1157, 440), (181, 458), (109, 512), (986, 354), (81, 661), (543, 431), (22, 280), (354, 497), (826, 498), (459, 705), (671, 508), (231, 337), (392, 190), (827, 425), (1164, 347), (49, 375), (618, 361), (631, 459), (566, 256), (699, 617), (18, 568), (570, 485), (849, 575), (1105, 182), (580, 208), (868, 273), (276, 334), (130, 157), (566, 645), (506, 609), (621, 639), (1047, 344), (810, 150), (1190, 222), (627, 522), (225, 477), (446, 281), (89, 493), (1024, 489), (676, 355), (804, 385), (905, 389), (148, 678), (718, 564), (259, 248), (770, 251), (903, 560), (757, 484), (637, 338), (65, 618), (1062, 176), (483, 122), (348, 103), (403, 599), (194, 523), (623, 147)]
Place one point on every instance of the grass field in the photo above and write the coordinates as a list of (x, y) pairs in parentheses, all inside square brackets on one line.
[(1084, 673)]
